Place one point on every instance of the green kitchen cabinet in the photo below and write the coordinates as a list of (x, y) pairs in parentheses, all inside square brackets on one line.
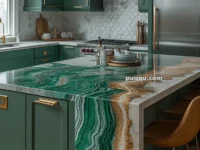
[(16, 59), (143, 5), (46, 54), (43, 5), (66, 52), (84, 5), (47, 124), (12, 121)]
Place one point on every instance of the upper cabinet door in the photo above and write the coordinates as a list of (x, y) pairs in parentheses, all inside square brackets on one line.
[(143, 5), (53, 4), (84, 5), (43, 5), (47, 124)]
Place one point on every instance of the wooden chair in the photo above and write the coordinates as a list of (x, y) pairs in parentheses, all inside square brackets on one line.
[(175, 133)]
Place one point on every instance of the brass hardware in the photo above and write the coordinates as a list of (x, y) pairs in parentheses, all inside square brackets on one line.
[(154, 27), (78, 6), (44, 2), (45, 60), (3, 102), (47, 102), (3, 37), (45, 52)]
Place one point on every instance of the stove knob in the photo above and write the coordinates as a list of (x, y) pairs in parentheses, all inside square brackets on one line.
[(88, 50), (92, 50), (83, 50)]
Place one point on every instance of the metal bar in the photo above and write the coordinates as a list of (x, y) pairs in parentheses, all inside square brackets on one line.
[(47, 102), (154, 27), (78, 6)]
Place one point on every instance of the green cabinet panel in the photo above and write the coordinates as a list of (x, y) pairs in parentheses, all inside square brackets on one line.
[(46, 54), (46, 51), (44, 60), (66, 52), (47, 126), (83, 5), (12, 122), (16, 59), (43, 5), (143, 5)]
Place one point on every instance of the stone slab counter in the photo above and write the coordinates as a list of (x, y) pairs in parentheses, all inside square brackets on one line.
[(109, 111), (36, 44)]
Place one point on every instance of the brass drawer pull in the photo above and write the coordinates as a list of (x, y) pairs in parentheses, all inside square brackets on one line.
[(45, 52), (44, 2), (45, 60), (78, 6), (52, 103), (3, 102)]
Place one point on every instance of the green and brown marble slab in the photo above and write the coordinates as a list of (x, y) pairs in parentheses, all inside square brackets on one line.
[(103, 99)]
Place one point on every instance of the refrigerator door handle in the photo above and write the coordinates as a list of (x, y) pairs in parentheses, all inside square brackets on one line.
[(155, 27)]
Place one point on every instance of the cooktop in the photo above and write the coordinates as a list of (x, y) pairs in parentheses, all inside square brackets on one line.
[(113, 42)]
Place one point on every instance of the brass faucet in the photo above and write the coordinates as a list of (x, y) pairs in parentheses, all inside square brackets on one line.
[(2, 37)]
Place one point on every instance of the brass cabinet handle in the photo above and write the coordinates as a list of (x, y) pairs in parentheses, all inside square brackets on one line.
[(154, 27), (78, 6), (45, 60), (45, 52), (44, 2), (3, 102), (47, 102)]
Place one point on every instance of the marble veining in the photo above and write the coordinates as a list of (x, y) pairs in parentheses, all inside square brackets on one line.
[(108, 110)]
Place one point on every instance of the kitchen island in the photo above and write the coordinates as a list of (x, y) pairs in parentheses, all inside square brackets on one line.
[(103, 111)]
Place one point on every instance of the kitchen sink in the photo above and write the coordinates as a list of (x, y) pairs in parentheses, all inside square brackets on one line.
[(11, 44)]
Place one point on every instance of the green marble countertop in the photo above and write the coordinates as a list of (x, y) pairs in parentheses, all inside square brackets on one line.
[(63, 80), (108, 110)]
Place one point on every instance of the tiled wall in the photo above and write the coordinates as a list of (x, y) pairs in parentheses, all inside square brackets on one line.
[(118, 21)]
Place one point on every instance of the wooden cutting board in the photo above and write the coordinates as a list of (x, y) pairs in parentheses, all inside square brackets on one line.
[(41, 26)]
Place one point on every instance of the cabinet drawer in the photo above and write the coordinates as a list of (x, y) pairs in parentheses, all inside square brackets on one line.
[(44, 60), (45, 51)]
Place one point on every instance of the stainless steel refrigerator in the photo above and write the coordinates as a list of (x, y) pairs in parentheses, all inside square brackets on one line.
[(176, 27)]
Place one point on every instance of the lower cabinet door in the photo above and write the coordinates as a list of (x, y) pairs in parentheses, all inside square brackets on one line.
[(12, 121), (67, 52), (47, 124)]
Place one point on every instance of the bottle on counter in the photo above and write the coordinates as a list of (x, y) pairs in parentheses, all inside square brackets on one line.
[(17, 39)]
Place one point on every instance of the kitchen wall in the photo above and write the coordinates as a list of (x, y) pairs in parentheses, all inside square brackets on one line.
[(118, 21)]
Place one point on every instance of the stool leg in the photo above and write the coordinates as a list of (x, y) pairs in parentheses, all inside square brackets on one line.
[(153, 147), (197, 144), (173, 148), (187, 147)]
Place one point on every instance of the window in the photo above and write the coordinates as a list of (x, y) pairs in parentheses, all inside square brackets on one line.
[(8, 12)]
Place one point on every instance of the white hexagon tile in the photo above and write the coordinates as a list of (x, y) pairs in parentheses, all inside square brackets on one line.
[(117, 21)]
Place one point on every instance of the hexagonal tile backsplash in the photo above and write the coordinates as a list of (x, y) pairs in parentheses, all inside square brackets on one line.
[(118, 21)]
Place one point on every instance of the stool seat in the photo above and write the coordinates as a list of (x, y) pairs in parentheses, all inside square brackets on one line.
[(175, 133)]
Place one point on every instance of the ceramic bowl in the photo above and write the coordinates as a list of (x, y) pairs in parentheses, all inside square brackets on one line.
[(46, 35)]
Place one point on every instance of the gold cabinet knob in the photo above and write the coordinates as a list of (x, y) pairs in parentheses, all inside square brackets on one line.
[(45, 52)]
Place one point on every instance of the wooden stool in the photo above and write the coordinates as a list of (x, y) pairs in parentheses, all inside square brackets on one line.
[(175, 133)]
